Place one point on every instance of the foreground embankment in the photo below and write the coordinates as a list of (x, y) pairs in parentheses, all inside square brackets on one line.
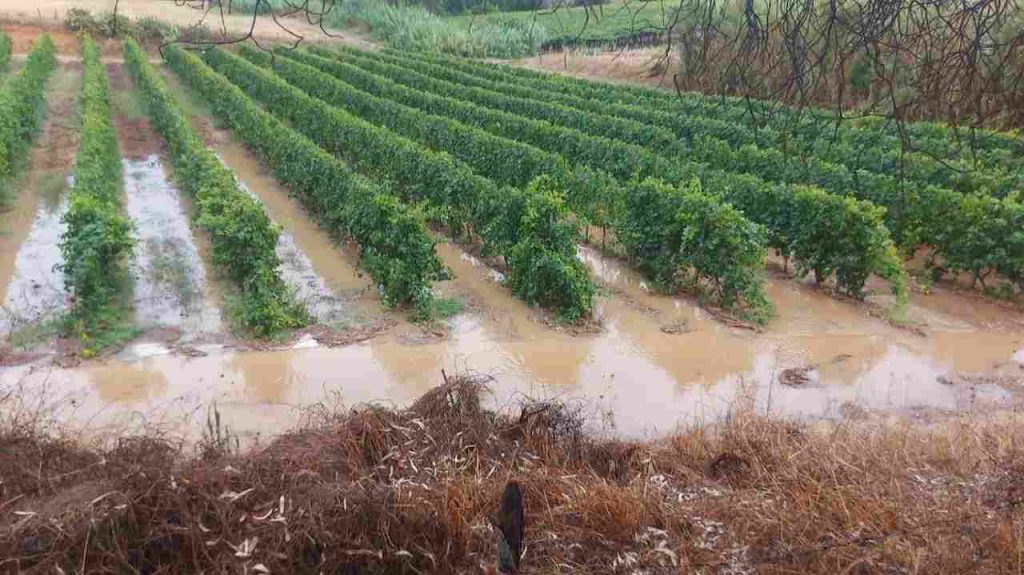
[(376, 490)]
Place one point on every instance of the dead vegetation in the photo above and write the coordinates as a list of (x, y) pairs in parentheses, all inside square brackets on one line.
[(377, 490)]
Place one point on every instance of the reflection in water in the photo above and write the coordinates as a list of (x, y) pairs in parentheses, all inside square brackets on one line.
[(643, 379), (170, 282), (35, 292), (129, 383), (265, 377)]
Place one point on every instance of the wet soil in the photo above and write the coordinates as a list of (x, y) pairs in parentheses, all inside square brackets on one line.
[(137, 139)]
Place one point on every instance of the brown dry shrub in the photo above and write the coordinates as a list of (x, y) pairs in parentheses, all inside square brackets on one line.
[(377, 490)]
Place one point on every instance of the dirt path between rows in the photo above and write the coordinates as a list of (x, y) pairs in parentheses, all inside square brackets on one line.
[(137, 138)]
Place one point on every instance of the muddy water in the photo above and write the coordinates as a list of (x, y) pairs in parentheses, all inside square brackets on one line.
[(170, 282), (31, 285), (658, 362), (35, 292)]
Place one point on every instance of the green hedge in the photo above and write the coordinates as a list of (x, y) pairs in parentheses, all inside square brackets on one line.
[(396, 248), (504, 161), (814, 161), (460, 85), (5, 53), (681, 236), (812, 157), (484, 152), (842, 224), (542, 265), (998, 149), (419, 174), (970, 233), (943, 219), (242, 237), (98, 238), (21, 104)]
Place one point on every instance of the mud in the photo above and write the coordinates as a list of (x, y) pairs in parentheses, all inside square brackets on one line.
[(23, 34)]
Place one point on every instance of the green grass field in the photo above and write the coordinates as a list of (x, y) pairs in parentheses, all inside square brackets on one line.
[(607, 22)]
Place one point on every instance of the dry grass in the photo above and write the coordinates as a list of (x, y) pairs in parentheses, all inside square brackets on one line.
[(406, 491)]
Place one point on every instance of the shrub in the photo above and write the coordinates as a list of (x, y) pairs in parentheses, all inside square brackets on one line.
[(5, 53), (924, 193), (415, 28), (98, 238), (419, 173), (543, 267), (683, 238), (80, 20), (21, 106), (553, 128), (109, 25)]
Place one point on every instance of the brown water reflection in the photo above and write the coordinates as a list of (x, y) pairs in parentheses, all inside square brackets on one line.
[(642, 379)]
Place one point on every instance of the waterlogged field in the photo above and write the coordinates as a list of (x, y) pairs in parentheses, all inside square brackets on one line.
[(258, 235)]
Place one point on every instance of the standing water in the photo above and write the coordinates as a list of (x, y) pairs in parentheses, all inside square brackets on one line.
[(658, 361), (324, 279), (171, 286), (170, 283), (35, 292), (311, 289)]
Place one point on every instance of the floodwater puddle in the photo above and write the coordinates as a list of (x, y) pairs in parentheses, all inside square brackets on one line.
[(172, 287), (658, 362), (170, 282), (323, 274), (35, 292)]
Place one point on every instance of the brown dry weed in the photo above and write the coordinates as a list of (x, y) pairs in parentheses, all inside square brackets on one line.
[(375, 490)]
